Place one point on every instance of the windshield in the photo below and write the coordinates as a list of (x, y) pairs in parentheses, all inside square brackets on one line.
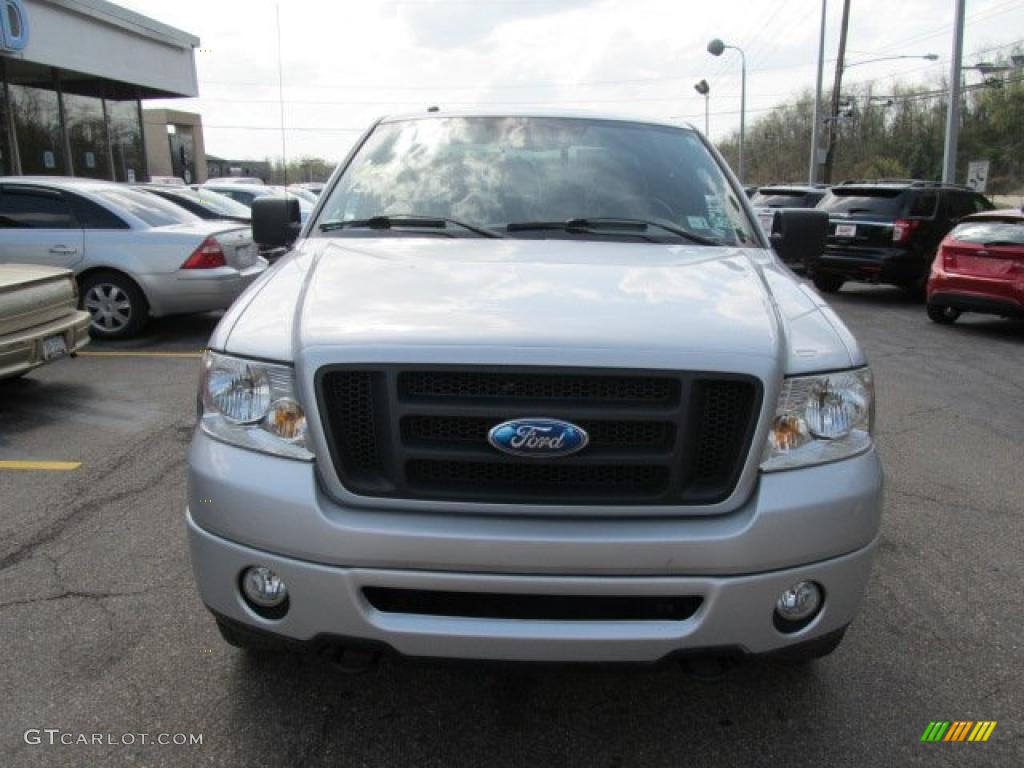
[(151, 209), (877, 202), (304, 204), (218, 203), (495, 171), (794, 199), (210, 200), (1005, 232)]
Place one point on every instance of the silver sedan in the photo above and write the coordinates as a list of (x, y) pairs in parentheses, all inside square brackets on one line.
[(135, 255)]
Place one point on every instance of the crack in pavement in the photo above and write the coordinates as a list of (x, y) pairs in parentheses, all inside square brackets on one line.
[(86, 505), (84, 595), (947, 502)]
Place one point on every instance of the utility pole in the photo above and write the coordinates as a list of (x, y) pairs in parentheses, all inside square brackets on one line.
[(812, 173), (953, 109), (833, 123)]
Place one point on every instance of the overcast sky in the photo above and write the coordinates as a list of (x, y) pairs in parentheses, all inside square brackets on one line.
[(347, 61)]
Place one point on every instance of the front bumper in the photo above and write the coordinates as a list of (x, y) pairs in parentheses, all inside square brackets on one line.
[(736, 612), (23, 350), (198, 290), (246, 508)]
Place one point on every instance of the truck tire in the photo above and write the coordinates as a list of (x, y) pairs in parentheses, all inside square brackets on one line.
[(827, 282)]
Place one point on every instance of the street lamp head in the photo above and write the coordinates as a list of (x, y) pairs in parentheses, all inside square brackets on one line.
[(702, 88), (931, 56), (716, 47)]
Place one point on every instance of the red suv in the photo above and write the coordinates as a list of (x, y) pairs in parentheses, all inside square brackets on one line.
[(980, 268)]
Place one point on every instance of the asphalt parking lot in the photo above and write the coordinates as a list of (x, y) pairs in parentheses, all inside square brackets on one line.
[(103, 632)]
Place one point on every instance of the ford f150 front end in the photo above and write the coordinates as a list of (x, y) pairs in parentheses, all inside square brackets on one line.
[(533, 387)]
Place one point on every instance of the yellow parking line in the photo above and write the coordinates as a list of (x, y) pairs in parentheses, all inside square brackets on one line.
[(56, 466), (142, 354)]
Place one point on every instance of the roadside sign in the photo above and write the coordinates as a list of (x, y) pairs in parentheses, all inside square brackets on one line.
[(977, 175)]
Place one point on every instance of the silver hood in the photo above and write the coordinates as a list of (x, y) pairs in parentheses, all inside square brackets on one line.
[(542, 302)]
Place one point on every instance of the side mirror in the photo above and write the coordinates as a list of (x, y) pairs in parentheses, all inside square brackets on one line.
[(275, 220), (799, 234)]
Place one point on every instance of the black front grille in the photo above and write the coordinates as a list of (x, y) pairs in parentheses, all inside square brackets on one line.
[(491, 605), (421, 433), (519, 387)]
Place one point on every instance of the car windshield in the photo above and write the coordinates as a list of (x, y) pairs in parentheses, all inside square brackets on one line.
[(794, 199), (263, 191), (1004, 232), (151, 209), (216, 202), (875, 202), (495, 171)]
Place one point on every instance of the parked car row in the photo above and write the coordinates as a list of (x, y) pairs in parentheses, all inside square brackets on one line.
[(911, 233), (135, 254)]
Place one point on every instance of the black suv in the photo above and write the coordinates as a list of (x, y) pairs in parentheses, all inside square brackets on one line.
[(887, 231)]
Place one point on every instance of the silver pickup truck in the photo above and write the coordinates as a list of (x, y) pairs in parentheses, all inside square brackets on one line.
[(534, 387)]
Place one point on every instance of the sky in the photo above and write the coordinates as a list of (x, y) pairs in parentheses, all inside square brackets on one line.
[(346, 62)]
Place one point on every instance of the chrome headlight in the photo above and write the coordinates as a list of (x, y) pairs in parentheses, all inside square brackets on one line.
[(252, 404), (821, 418)]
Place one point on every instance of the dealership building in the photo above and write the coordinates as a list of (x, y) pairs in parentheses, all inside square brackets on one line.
[(73, 76)]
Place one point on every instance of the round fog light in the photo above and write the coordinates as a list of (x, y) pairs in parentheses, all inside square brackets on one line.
[(800, 602), (263, 588)]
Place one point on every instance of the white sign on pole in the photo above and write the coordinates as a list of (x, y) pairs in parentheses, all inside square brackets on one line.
[(977, 175)]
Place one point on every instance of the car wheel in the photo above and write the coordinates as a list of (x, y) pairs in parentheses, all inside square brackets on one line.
[(117, 306), (827, 282), (943, 315), (820, 647)]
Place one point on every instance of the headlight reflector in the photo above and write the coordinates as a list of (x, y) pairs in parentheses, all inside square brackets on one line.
[(238, 389), (821, 418), (252, 404)]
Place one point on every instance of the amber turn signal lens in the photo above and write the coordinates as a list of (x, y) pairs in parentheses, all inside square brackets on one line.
[(788, 433), (286, 420)]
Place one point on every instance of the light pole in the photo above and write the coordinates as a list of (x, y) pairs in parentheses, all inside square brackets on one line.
[(716, 47), (953, 108), (704, 89), (812, 173)]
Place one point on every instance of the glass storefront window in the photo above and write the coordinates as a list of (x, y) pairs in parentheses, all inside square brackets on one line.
[(126, 140), (86, 135), (37, 126)]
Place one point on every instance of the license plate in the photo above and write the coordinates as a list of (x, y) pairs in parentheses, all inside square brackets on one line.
[(846, 230), (54, 347)]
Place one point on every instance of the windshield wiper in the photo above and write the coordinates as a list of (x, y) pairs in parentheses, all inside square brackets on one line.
[(610, 224), (410, 220)]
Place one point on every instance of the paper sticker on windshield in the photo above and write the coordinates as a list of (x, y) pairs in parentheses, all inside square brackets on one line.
[(697, 222), (719, 221)]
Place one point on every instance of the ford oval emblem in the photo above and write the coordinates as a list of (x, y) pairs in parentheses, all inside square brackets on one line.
[(538, 438)]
